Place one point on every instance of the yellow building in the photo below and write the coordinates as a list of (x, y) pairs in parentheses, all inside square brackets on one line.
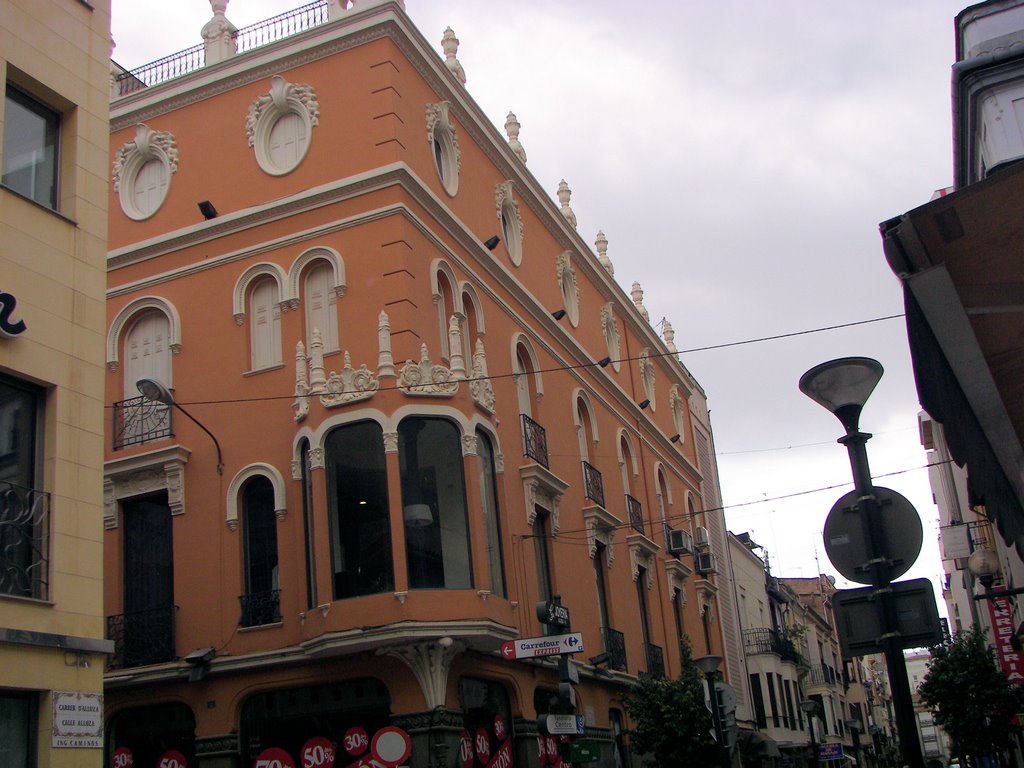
[(53, 223)]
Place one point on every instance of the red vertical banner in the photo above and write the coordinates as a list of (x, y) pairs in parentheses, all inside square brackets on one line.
[(1010, 661)]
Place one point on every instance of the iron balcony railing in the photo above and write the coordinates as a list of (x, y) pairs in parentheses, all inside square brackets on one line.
[(535, 441), (259, 608), (615, 647), (655, 661), (761, 640), (593, 485), (635, 513), (142, 637), (24, 541), (139, 420), (247, 38), (822, 674)]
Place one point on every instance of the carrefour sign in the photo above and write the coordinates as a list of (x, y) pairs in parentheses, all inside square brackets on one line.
[(9, 328)]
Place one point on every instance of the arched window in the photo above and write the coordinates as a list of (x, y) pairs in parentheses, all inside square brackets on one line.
[(489, 508), (265, 324), (434, 504), (445, 301), (472, 324), (147, 354), (261, 603), (525, 391), (306, 477), (321, 306), (357, 496), (663, 503)]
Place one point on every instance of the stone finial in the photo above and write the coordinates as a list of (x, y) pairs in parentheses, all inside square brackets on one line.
[(669, 334), (512, 127), (219, 34), (564, 195), (638, 299), (450, 45), (601, 243)]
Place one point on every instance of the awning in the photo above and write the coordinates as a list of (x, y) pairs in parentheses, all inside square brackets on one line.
[(754, 744)]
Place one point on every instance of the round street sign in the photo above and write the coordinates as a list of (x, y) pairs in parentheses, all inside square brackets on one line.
[(899, 532)]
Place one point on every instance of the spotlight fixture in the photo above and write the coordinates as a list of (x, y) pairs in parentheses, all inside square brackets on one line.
[(206, 208), (674, 438), (644, 403), (603, 362), (558, 314), (492, 242)]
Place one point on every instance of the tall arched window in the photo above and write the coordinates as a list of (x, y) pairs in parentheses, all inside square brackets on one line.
[(663, 503), (526, 390), (265, 324), (489, 508), (321, 306), (261, 602), (357, 496), (445, 300), (306, 477), (147, 354), (471, 326), (434, 504)]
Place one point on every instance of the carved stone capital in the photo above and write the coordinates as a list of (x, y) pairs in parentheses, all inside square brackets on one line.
[(429, 662)]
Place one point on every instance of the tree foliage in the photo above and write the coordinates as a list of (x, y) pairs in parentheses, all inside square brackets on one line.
[(672, 724), (970, 696)]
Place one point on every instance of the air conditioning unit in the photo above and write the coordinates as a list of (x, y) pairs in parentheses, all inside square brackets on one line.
[(679, 542), (702, 536), (705, 563)]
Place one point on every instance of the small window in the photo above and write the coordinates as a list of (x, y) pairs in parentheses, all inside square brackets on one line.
[(31, 140)]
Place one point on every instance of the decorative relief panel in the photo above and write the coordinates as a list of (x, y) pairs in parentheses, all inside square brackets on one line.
[(601, 525), (610, 328), (566, 275), (510, 220), (426, 379), (480, 384), (162, 470), (647, 375), (641, 554), (445, 146)]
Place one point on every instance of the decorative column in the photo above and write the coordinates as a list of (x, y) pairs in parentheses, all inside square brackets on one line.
[(450, 46), (601, 243), (318, 376), (457, 362), (385, 360), (219, 34), (512, 127), (564, 195)]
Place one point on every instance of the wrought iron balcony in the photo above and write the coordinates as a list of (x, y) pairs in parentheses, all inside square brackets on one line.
[(636, 514), (822, 674), (139, 420), (24, 541), (761, 640), (615, 647), (142, 637), (535, 441), (247, 38), (593, 485), (259, 608), (655, 661)]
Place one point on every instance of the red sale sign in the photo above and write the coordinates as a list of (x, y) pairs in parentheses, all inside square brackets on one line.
[(318, 752), (1001, 614), (274, 757), (172, 758), (122, 758), (355, 741)]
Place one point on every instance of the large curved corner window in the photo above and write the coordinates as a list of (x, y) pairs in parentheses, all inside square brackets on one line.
[(434, 504), (357, 495), (444, 146), (511, 222), (280, 125), (261, 603), (489, 507), (143, 170)]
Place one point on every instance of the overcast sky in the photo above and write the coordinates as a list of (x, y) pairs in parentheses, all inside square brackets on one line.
[(739, 156)]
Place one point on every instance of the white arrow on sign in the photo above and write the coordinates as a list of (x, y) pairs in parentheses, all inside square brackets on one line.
[(553, 645)]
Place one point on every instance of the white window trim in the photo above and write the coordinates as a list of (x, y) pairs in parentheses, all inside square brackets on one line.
[(132, 157), (283, 98)]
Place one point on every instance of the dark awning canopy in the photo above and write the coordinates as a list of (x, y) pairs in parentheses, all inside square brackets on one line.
[(961, 260)]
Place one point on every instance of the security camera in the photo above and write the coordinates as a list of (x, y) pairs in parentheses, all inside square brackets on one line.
[(200, 656)]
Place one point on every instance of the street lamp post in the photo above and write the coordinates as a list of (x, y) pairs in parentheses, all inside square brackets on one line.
[(842, 387), (809, 707), (709, 666), (156, 391)]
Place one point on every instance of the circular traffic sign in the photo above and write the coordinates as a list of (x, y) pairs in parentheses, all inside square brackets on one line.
[(391, 746), (898, 535)]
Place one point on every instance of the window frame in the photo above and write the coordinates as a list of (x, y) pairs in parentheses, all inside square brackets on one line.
[(27, 100), (30, 701)]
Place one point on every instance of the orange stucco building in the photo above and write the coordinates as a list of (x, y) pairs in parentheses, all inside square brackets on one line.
[(409, 403)]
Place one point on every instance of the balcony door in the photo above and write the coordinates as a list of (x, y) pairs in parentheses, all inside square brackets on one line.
[(147, 354), (148, 581)]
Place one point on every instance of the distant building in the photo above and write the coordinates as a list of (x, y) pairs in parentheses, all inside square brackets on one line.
[(934, 741), (429, 405), (53, 220)]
